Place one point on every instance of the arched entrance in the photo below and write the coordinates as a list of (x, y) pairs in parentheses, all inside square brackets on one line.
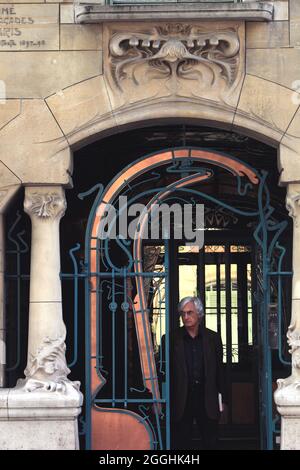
[(248, 187)]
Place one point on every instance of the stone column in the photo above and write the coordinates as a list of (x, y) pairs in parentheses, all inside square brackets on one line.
[(41, 411), (287, 395), (46, 363)]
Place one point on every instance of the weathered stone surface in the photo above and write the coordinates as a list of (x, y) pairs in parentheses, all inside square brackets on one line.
[(6, 195), (267, 35), (273, 64), (4, 403), (290, 433), (50, 71), (81, 109), (295, 33), (268, 105), (295, 9), (295, 22), (281, 10), (29, 27), (7, 178), (290, 149), (67, 14), (80, 37), (33, 434), (33, 147), (288, 163), (293, 130), (95, 2), (39, 420), (8, 111), (246, 11), (215, 114), (12, 2)]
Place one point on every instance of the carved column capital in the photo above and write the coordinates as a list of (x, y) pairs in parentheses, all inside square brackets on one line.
[(293, 202), (45, 203)]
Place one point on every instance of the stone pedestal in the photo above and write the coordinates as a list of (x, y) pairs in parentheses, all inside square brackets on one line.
[(287, 395), (39, 420), (288, 405)]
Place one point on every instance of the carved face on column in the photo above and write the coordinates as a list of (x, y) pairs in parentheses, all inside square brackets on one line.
[(200, 60)]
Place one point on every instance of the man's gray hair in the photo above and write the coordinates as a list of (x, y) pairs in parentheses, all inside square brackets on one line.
[(196, 301)]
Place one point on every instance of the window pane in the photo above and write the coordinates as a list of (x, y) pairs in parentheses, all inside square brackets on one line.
[(188, 249), (187, 280), (223, 332), (211, 297), (211, 320), (234, 313), (233, 276)]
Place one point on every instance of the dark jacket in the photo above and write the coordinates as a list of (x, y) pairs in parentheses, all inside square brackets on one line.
[(213, 372)]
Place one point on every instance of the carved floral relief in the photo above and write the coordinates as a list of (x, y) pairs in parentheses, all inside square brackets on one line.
[(45, 205), (47, 369), (198, 60)]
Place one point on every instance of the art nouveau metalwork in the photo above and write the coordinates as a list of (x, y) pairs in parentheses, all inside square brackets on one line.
[(127, 380)]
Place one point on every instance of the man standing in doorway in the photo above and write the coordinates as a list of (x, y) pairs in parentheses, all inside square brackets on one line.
[(196, 378)]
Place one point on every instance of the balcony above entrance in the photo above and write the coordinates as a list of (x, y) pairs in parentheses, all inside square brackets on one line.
[(96, 11)]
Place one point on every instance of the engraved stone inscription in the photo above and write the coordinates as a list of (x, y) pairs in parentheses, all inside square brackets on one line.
[(29, 27)]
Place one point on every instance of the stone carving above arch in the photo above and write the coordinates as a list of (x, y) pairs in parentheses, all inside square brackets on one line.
[(173, 50), (204, 61)]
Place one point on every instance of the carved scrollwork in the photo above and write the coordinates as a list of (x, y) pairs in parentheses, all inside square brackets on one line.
[(45, 205), (176, 51)]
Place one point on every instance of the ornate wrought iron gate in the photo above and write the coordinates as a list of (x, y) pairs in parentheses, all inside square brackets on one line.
[(127, 389)]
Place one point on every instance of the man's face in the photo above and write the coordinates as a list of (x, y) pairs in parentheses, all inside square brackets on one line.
[(189, 315)]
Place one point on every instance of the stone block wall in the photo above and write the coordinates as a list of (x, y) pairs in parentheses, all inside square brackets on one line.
[(42, 51)]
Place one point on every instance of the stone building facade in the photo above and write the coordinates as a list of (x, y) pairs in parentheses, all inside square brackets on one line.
[(73, 72)]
